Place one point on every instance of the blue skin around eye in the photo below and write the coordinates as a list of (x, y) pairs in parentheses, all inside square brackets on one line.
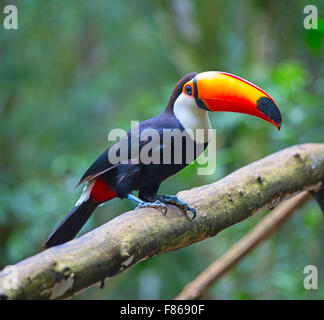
[(189, 90)]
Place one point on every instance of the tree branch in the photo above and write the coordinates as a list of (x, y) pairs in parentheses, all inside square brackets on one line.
[(62, 271), (197, 288)]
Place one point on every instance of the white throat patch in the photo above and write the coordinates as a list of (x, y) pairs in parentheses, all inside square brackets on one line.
[(191, 116)]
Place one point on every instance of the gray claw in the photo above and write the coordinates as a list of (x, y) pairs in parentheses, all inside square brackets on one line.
[(193, 211), (158, 205), (186, 208), (174, 200)]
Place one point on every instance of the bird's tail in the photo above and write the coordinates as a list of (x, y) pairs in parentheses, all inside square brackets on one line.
[(71, 224)]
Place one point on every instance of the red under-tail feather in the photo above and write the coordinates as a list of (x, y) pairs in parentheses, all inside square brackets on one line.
[(96, 193)]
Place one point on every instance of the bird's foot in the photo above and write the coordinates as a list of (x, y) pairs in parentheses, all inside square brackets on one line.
[(158, 205), (174, 200)]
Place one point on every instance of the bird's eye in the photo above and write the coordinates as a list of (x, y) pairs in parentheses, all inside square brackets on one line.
[(188, 90)]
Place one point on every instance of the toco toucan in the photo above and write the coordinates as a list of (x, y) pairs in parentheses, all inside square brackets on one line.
[(186, 111)]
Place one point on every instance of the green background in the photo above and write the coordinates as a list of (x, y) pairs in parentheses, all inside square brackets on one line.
[(76, 69)]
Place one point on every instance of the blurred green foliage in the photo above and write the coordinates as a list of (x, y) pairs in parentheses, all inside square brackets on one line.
[(73, 70)]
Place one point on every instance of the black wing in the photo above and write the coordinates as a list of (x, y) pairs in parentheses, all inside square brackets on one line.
[(103, 165), (100, 166)]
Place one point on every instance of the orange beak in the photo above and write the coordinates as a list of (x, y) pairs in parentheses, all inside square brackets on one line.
[(220, 91)]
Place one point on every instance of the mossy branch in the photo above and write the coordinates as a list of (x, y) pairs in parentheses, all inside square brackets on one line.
[(62, 271)]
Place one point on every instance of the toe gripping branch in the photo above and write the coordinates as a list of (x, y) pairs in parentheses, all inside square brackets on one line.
[(158, 205), (174, 200), (160, 202)]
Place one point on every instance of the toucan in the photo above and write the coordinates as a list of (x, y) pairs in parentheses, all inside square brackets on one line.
[(187, 110)]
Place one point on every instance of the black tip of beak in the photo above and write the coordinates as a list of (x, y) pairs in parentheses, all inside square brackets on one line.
[(270, 109)]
